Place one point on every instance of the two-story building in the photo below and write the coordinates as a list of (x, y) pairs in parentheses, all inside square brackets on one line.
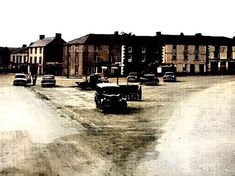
[(111, 54), (198, 54), (92, 53), (19, 59), (46, 55)]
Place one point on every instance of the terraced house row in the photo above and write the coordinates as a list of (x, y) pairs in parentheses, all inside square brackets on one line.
[(121, 53)]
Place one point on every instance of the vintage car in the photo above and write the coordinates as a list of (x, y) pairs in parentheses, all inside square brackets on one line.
[(48, 81), (91, 81), (169, 76), (133, 77), (149, 79), (20, 79), (109, 98)]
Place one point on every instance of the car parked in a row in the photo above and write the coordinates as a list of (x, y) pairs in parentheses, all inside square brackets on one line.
[(22, 79), (169, 76), (48, 81)]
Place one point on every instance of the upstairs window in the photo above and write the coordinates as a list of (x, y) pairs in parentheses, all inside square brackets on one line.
[(129, 49), (129, 58), (143, 58), (143, 49)]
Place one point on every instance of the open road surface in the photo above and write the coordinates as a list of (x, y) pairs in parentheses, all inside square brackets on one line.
[(184, 128)]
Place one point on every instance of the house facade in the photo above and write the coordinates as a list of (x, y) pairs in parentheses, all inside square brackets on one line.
[(92, 53), (45, 56), (19, 59), (197, 54), (110, 54)]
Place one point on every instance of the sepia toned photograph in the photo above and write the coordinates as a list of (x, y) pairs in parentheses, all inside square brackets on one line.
[(117, 88)]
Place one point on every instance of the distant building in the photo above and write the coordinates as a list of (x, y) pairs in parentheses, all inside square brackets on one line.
[(92, 53), (4, 59), (197, 54), (19, 59), (46, 55), (110, 54)]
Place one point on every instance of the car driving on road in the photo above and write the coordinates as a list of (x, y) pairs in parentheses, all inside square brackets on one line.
[(108, 97)]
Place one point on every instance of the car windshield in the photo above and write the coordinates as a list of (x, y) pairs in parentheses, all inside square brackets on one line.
[(20, 76), (169, 73), (111, 90), (149, 75), (133, 74)]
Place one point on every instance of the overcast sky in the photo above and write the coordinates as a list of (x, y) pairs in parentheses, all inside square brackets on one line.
[(22, 21)]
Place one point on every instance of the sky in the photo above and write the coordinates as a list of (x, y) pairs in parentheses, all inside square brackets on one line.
[(22, 21)]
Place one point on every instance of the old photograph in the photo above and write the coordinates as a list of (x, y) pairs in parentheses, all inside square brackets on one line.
[(117, 88)]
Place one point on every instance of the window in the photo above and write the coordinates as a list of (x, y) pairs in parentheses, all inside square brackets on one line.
[(14, 59), (174, 56), (143, 49), (31, 50), (185, 52), (143, 58), (96, 49), (174, 52), (40, 60), (184, 67), (129, 58), (25, 59), (35, 60), (31, 59), (35, 50), (129, 49), (40, 50), (20, 59)]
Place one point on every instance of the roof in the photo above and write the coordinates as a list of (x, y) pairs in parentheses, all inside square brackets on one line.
[(194, 39), (20, 50), (42, 42), (94, 39)]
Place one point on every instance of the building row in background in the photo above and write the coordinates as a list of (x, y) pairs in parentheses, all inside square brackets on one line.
[(121, 53)]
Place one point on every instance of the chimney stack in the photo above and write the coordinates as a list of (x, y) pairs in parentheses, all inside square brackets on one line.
[(58, 35), (41, 37), (158, 33), (24, 46), (116, 33)]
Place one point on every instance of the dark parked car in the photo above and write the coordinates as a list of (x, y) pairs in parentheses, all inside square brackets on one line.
[(91, 81), (108, 97), (48, 80), (169, 76), (20, 79), (149, 79), (133, 77)]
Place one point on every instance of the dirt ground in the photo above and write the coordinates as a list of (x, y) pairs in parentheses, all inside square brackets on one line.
[(106, 144)]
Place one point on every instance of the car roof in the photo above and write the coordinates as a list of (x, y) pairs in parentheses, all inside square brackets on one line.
[(101, 85), (48, 75), (19, 74), (169, 72)]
